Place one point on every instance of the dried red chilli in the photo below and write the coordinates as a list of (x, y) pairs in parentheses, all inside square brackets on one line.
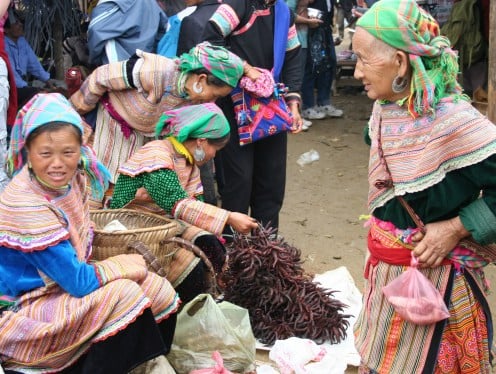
[(265, 276)]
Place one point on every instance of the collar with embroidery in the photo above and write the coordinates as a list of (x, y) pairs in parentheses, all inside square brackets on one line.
[(181, 149)]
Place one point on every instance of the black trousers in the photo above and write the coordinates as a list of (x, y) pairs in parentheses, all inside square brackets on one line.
[(139, 342), (254, 175)]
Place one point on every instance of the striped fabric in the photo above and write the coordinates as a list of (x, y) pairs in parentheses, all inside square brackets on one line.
[(217, 60), (182, 264), (193, 121), (226, 20), (381, 335), (161, 154), (33, 217), (420, 152), (47, 329), (202, 215), (388, 344), (138, 110), (293, 41), (110, 144), (464, 348)]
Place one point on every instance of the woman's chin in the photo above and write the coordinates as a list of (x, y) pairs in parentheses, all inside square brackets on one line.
[(371, 95), (57, 182)]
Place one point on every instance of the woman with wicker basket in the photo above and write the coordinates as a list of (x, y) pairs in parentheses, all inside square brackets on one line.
[(57, 311), (163, 177), (134, 93)]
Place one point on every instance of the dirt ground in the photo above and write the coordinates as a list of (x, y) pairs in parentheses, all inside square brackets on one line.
[(325, 199)]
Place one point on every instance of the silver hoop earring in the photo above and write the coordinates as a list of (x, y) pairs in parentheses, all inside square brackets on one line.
[(199, 154), (197, 88), (399, 84)]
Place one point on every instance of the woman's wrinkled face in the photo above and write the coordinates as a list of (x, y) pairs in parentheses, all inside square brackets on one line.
[(54, 156), (375, 67)]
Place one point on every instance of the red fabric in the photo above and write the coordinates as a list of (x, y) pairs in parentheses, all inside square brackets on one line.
[(126, 128), (12, 109), (396, 255), (393, 256)]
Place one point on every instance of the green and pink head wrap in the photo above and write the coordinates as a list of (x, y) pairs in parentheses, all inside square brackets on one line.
[(405, 26), (193, 121), (217, 60), (43, 109)]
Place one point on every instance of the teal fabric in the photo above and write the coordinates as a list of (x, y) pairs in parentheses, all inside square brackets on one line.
[(193, 122), (455, 195), (479, 219), (301, 30)]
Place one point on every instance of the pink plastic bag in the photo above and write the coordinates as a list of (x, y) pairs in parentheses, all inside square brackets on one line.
[(217, 369), (415, 298)]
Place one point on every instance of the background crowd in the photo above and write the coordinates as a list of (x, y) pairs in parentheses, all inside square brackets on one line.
[(152, 112)]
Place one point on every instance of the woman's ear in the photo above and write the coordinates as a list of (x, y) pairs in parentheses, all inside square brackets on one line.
[(403, 63), (203, 78)]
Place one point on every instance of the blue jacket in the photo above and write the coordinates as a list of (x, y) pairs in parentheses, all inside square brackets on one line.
[(24, 61), (20, 271), (119, 27)]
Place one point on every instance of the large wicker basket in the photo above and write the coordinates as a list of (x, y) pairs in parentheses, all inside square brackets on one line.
[(149, 229)]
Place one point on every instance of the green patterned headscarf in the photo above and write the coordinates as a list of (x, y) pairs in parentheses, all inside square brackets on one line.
[(217, 60), (193, 121), (405, 26)]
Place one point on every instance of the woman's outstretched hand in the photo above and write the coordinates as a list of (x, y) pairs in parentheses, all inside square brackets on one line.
[(439, 239), (241, 222)]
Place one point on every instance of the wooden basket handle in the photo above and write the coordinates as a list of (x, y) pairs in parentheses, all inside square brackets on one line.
[(186, 244), (149, 257)]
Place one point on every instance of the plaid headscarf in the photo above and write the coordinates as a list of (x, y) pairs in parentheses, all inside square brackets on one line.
[(405, 26), (41, 110), (217, 60), (193, 121)]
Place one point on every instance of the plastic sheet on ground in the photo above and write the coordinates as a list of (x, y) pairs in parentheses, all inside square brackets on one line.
[(304, 356)]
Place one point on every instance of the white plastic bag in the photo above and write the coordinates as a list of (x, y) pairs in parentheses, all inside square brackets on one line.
[(203, 326), (304, 356)]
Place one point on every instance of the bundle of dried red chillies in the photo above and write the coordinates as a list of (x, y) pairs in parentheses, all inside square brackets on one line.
[(266, 276)]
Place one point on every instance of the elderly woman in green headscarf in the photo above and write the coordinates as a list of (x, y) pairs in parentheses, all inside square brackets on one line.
[(134, 93), (432, 194), (163, 177)]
